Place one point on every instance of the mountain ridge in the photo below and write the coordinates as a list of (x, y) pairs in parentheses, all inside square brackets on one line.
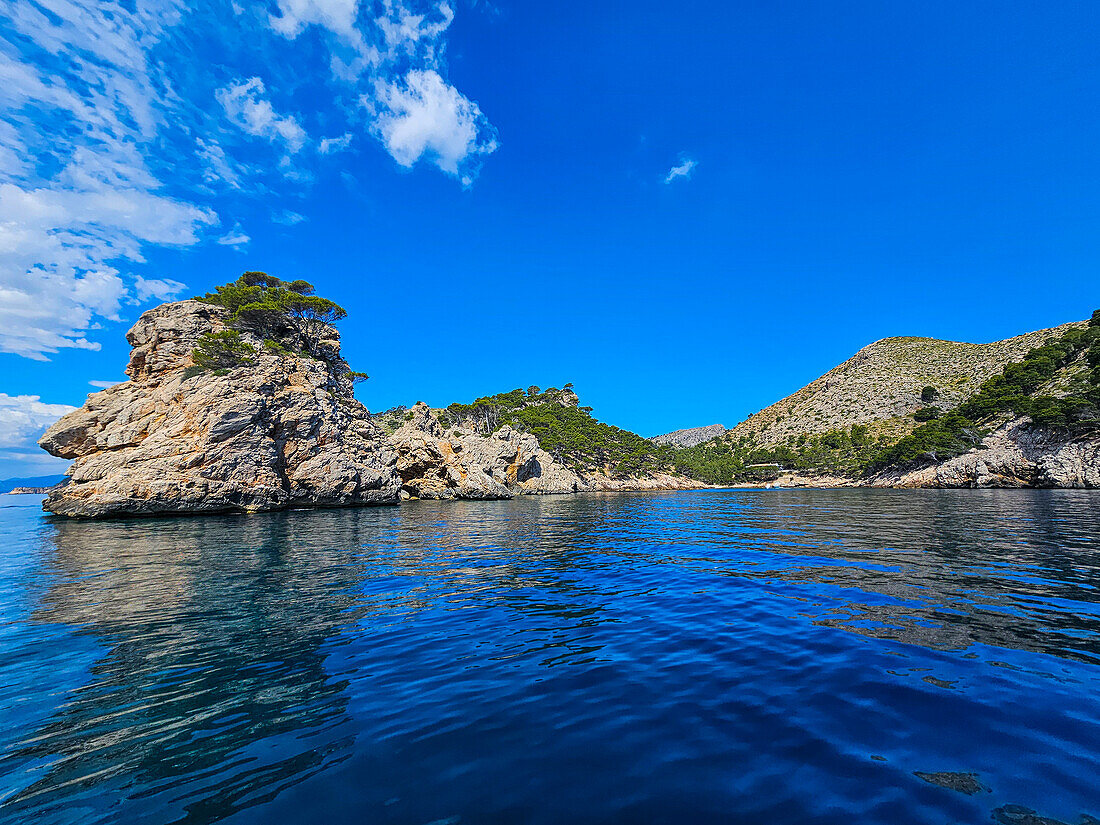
[(1025, 412)]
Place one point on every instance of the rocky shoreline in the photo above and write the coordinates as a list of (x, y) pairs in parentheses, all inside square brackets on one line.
[(283, 431), (1015, 455)]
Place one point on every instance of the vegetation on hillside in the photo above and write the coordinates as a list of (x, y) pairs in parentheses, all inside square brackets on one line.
[(883, 383), (564, 430), (286, 315), (220, 351), (856, 451), (730, 460), (290, 319), (1015, 392)]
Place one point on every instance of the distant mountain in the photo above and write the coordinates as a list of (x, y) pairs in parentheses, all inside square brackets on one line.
[(690, 437), (9, 484)]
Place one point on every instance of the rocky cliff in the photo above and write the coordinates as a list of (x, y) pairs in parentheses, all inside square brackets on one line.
[(1016, 454), (281, 430)]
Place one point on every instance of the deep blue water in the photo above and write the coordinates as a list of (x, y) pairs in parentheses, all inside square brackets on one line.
[(717, 656)]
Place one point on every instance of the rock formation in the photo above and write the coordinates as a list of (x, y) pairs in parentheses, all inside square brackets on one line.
[(458, 463), (281, 430), (1017, 454)]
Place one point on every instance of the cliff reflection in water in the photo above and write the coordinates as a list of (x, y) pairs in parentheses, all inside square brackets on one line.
[(213, 635), (945, 569), (499, 653)]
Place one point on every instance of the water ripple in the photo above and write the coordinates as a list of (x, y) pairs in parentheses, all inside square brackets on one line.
[(779, 656)]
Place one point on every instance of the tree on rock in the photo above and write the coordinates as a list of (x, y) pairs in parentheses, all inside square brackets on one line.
[(277, 309)]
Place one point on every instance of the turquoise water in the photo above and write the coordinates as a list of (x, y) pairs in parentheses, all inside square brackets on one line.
[(776, 656)]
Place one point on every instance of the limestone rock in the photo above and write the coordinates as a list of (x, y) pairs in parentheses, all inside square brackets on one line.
[(691, 436), (1015, 455), (279, 432), (458, 463)]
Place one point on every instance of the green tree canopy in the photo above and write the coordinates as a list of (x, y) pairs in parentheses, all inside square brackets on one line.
[(273, 307)]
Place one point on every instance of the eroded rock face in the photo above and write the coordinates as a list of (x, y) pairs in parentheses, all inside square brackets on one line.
[(1015, 455), (282, 431), (458, 463)]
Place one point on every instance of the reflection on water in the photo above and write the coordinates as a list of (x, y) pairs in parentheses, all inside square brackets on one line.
[(781, 656)]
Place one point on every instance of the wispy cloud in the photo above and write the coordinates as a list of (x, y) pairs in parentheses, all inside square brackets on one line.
[(246, 104), (23, 419), (104, 110), (105, 384), (328, 146), (78, 200), (288, 217), (234, 237), (683, 169), (395, 62)]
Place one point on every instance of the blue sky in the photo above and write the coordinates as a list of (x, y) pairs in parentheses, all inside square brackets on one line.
[(687, 211)]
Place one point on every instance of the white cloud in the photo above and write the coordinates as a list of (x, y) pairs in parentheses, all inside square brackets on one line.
[(682, 170), (338, 16), (234, 237), (246, 105), (395, 61), (23, 419), (113, 142), (219, 168), (330, 146), (80, 98), (57, 251), (105, 384), (422, 115), (288, 217), (162, 289)]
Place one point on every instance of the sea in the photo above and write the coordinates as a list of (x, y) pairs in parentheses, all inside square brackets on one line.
[(716, 656)]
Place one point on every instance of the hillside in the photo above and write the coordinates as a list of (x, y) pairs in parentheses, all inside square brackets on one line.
[(903, 404), (880, 387), (9, 484), (690, 437), (565, 430)]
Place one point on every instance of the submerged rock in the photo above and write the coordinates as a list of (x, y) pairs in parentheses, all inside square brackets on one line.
[(966, 783)]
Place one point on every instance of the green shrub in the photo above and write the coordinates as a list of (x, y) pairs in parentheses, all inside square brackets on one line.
[(222, 351), (1013, 392), (271, 345)]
